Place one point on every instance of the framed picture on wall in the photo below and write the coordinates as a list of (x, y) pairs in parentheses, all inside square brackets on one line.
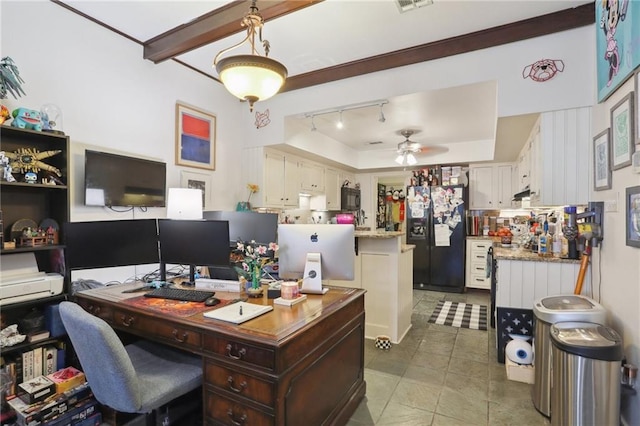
[(602, 161), (633, 216), (636, 78), (622, 132), (201, 181), (617, 31), (195, 137)]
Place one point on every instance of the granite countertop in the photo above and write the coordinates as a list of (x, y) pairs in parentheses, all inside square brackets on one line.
[(503, 253), (378, 234), (407, 247)]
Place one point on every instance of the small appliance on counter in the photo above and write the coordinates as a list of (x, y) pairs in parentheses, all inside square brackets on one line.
[(345, 218)]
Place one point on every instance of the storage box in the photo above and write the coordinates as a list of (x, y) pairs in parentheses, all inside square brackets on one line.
[(519, 373), (53, 322), (36, 389), (67, 378)]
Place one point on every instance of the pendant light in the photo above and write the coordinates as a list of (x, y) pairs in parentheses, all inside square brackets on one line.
[(251, 77)]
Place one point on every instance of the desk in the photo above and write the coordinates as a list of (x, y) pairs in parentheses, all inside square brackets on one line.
[(293, 365)]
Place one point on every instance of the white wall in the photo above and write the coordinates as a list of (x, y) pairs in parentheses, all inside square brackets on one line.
[(113, 100), (615, 266)]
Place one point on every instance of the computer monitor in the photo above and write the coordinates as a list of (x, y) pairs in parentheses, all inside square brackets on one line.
[(193, 242), (315, 252), (110, 243), (248, 226)]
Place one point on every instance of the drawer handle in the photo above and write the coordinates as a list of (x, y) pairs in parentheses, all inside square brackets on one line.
[(94, 310), (234, 421), (478, 279), (480, 257), (182, 338), (242, 352), (127, 321), (242, 387)]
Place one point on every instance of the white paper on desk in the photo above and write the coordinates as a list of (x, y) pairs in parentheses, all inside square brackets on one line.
[(442, 233)]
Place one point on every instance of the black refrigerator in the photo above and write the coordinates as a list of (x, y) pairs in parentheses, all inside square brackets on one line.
[(436, 226)]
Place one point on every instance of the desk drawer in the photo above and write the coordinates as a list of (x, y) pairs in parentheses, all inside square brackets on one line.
[(244, 385), (97, 309), (225, 411), (174, 333), (240, 352)]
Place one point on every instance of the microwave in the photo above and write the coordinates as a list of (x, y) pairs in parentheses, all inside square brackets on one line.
[(350, 199)]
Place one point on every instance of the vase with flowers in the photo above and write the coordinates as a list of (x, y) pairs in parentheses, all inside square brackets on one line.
[(246, 205), (252, 258)]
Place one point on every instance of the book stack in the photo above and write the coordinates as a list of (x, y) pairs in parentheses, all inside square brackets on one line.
[(75, 406), (33, 363)]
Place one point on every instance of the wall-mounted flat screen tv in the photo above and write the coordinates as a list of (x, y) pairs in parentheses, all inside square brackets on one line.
[(118, 180)]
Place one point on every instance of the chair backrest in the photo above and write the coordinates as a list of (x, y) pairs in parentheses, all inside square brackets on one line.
[(103, 358)]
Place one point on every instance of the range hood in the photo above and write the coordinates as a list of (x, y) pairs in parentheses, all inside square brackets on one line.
[(520, 195)]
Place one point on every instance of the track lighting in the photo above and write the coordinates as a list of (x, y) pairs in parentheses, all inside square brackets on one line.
[(340, 110)]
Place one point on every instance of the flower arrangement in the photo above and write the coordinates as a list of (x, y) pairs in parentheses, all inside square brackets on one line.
[(253, 257), (242, 205)]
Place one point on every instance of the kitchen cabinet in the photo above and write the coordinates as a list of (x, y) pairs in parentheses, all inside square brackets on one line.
[(476, 264), (330, 200), (559, 158), (491, 186), (523, 170), (311, 177), (276, 173)]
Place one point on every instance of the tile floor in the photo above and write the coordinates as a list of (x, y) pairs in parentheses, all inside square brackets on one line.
[(440, 375)]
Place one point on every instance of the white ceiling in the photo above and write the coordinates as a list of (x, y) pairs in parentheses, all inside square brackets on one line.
[(335, 32)]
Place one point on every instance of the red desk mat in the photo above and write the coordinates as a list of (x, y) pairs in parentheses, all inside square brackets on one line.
[(171, 307)]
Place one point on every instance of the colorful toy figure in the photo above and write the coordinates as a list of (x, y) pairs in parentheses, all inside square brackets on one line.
[(24, 118), (4, 114), (30, 177), (5, 164)]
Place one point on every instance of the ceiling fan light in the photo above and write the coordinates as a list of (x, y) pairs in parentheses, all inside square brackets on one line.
[(251, 77), (411, 159), (400, 159)]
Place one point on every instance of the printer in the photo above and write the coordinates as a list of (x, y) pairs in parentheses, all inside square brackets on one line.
[(21, 280)]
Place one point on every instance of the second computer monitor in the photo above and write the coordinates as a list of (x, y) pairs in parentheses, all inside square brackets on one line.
[(248, 226), (302, 247)]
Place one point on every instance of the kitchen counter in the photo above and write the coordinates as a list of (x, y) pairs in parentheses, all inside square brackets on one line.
[(503, 253), (378, 234), (407, 247)]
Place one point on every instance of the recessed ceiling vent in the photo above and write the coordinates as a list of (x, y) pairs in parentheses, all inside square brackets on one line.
[(407, 5), (375, 143)]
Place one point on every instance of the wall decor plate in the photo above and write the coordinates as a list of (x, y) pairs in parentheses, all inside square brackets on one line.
[(49, 222)]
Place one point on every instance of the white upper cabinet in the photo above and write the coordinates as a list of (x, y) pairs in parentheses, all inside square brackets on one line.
[(490, 186), (311, 177)]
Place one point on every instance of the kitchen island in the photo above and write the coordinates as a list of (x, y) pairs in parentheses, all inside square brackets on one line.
[(384, 268), (523, 277)]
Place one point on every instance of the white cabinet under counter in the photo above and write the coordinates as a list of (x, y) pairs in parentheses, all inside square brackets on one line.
[(384, 267), (476, 263)]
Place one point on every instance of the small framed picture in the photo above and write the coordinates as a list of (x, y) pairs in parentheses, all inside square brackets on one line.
[(201, 181), (622, 132), (602, 161), (195, 137), (633, 216)]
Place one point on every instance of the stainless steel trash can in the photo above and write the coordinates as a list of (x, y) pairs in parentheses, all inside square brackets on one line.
[(585, 379), (547, 311)]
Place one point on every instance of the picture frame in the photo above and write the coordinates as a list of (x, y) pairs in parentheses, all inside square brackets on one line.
[(636, 85), (633, 216), (602, 160), (200, 181), (622, 132), (195, 137)]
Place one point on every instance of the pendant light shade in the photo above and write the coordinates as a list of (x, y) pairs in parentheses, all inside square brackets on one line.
[(251, 77)]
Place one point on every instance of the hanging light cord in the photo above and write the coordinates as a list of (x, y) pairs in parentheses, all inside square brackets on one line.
[(252, 20)]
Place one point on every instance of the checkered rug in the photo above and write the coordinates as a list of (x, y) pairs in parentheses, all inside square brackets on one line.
[(463, 315)]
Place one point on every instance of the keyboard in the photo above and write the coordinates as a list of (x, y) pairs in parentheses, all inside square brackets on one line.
[(185, 295)]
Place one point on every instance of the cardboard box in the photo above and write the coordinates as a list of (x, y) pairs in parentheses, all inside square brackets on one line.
[(67, 378), (30, 414), (519, 373), (36, 389)]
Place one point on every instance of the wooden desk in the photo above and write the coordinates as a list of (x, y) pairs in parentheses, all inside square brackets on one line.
[(293, 365)]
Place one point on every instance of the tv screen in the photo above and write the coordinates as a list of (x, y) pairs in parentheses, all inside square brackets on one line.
[(118, 180)]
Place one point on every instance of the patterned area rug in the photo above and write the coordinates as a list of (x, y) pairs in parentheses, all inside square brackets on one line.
[(463, 315)]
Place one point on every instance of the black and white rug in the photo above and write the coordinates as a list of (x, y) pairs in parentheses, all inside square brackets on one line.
[(463, 315)]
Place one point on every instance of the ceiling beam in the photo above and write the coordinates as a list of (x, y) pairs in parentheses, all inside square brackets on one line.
[(529, 28), (214, 26)]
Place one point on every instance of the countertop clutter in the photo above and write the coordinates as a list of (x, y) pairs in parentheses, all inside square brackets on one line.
[(513, 253)]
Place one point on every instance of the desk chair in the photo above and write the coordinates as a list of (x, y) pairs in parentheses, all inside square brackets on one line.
[(136, 378)]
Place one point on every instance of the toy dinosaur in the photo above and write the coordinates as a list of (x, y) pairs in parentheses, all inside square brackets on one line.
[(24, 118)]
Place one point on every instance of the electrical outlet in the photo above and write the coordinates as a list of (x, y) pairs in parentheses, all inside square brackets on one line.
[(611, 206)]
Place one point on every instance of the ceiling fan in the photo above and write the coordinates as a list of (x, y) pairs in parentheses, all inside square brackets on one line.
[(407, 148)]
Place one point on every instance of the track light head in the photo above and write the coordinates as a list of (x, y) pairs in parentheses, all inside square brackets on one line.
[(382, 119)]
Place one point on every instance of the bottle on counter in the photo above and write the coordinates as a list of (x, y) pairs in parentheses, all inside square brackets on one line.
[(557, 242), (543, 241)]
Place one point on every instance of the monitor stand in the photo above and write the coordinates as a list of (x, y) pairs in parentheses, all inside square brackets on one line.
[(312, 278)]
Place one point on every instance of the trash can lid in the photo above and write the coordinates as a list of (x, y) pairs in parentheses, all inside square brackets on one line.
[(570, 307), (587, 339)]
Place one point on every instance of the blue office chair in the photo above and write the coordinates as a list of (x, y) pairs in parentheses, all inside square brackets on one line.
[(136, 378)]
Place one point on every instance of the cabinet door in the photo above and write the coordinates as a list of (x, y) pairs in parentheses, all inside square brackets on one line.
[(481, 187), (535, 180), (274, 179), (311, 177), (332, 188), (503, 176), (291, 182)]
